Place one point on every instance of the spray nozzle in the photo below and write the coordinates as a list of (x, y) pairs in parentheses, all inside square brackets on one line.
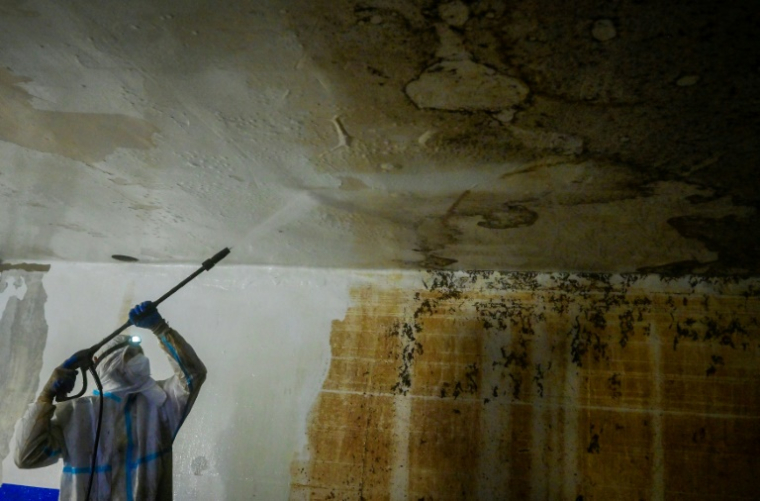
[(209, 263)]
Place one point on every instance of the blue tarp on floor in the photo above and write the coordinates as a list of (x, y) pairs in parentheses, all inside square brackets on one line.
[(11, 492)]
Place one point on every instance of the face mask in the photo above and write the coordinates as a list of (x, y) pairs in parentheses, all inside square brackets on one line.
[(138, 368)]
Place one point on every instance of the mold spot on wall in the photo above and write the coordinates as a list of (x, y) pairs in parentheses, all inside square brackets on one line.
[(490, 385), (199, 465)]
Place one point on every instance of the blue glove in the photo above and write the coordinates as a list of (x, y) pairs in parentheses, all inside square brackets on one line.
[(71, 361), (64, 380), (81, 359), (61, 382), (145, 315)]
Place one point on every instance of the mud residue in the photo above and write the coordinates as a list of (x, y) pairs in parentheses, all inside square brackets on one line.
[(23, 333)]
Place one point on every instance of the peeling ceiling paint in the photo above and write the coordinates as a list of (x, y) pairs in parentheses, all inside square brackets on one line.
[(86, 137), (523, 135)]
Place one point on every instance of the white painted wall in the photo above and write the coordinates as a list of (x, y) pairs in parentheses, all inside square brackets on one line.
[(264, 335)]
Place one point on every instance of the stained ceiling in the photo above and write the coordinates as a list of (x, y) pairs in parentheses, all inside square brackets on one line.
[(616, 136)]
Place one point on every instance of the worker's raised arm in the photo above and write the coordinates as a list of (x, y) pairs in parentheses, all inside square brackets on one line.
[(189, 372), (39, 439)]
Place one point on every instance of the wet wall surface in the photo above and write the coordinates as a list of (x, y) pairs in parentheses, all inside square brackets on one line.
[(23, 333), (536, 386)]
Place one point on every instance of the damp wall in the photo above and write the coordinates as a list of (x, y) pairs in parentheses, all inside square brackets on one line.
[(262, 333), (333, 384)]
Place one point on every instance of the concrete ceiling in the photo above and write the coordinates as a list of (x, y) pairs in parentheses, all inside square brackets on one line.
[(614, 136)]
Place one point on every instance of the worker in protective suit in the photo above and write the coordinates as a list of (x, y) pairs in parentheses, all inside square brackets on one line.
[(141, 417)]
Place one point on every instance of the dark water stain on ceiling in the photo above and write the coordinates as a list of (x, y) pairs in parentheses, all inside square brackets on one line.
[(663, 92), (514, 135)]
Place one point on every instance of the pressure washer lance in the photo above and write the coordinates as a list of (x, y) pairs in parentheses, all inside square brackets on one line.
[(84, 359)]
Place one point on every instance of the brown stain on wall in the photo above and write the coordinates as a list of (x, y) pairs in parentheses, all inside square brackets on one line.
[(520, 386), (87, 137), (351, 442)]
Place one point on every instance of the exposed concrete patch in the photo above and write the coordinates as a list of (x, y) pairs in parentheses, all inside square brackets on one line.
[(87, 137), (23, 333), (457, 83), (465, 85)]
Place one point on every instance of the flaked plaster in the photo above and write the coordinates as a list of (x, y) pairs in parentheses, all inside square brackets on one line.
[(23, 335)]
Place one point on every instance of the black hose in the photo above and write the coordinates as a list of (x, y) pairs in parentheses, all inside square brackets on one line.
[(94, 462)]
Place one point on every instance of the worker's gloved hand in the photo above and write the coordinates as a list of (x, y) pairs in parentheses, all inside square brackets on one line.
[(145, 315), (61, 382)]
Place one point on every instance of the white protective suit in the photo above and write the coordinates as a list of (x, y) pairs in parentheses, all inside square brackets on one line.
[(141, 417)]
